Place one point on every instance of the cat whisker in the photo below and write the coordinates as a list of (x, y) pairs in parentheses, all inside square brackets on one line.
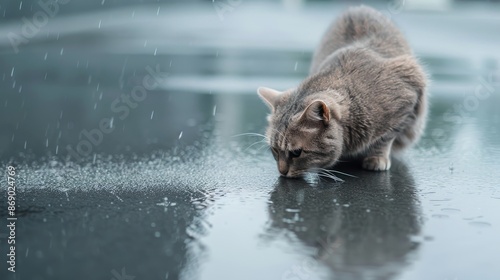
[(263, 141), (329, 176), (334, 171), (251, 134), (263, 146)]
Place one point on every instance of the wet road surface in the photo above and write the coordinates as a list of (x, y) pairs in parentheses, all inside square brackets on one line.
[(171, 185)]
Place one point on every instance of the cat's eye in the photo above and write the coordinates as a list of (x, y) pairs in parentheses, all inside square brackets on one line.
[(295, 153)]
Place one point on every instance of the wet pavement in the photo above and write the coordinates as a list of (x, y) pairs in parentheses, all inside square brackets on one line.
[(140, 162)]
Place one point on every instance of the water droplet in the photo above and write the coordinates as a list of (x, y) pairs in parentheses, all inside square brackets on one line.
[(440, 216), (480, 224), (21, 5), (156, 49), (152, 114), (12, 72), (45, 57), (62, 51), (111, 122), (180, 135), (158, 11), (157, 234), (100, 21), (296, 64), (215, 110), (450, 210)]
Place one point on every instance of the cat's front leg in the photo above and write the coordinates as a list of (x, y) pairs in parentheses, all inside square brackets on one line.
[(379, 156)]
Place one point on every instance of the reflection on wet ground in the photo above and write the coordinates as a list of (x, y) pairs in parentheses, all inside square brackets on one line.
[(175, 188)]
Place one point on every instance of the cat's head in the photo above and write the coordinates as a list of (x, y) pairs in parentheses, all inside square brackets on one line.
[(304, 133)]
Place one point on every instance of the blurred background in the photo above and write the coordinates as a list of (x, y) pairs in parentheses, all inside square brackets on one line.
[(63, 64), (124, 117)]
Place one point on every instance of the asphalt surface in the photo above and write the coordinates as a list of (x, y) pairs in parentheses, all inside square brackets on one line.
[(138, 162)]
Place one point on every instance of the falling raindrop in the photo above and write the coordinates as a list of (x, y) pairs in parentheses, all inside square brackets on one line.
[(95, 106), (111, 122), (12, 72), (21, 5), (156, 49), (215, 110), (57, 149), (145, 43), (100, 21), (20, 88), (25, 144), (296, 64), (62, 51), (152, 114), (89, 80), (158, 11), (45, 57), (133, 13), (157, 234), (97, 89), (93, 160), (180, 135), (47, 142), (102, 3)]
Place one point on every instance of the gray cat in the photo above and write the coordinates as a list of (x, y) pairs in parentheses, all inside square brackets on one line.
[(365, 97)]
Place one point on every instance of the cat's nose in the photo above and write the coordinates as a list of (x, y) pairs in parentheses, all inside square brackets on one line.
[(283, 168)]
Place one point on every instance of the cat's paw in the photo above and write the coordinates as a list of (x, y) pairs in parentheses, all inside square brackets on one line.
[(376, 163)]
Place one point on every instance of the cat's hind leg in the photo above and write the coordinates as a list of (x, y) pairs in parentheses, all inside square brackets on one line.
[(378, 157)]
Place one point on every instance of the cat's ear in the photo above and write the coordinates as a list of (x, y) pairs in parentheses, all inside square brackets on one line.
[(318, 110), (269, 96)]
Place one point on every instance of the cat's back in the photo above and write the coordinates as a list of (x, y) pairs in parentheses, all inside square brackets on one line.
[(361, 27)]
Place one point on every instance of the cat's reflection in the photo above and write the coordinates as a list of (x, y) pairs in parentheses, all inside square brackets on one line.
[(361, 229)]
